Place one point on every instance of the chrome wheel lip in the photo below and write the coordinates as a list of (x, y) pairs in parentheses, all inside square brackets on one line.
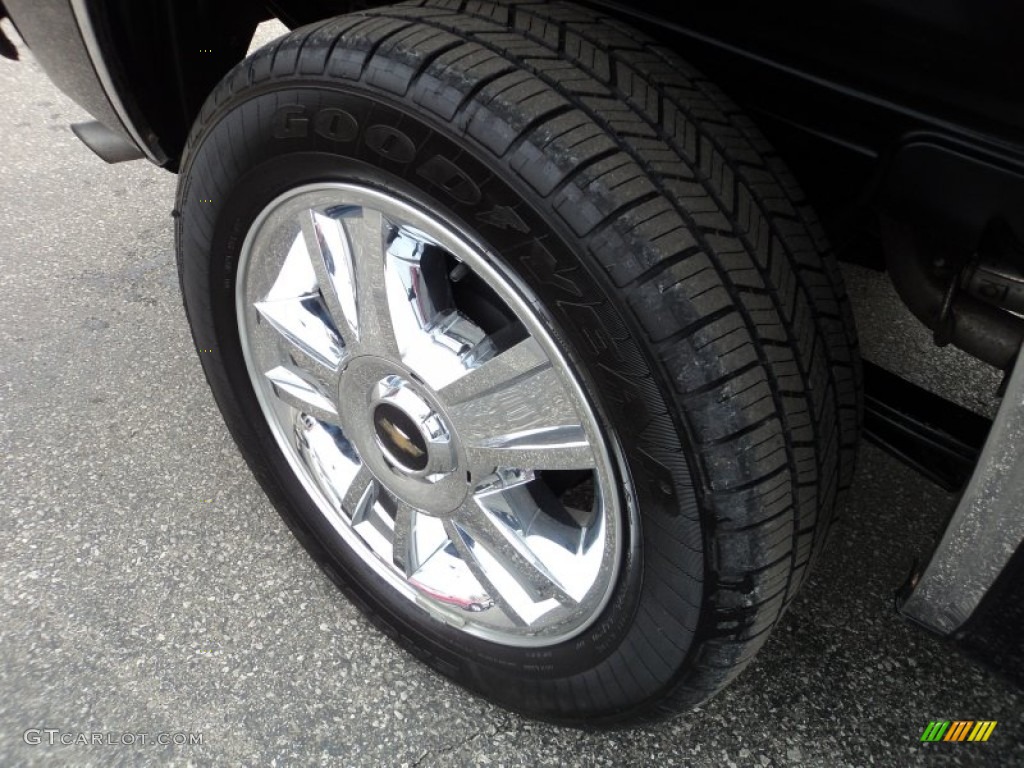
[(618, 513)]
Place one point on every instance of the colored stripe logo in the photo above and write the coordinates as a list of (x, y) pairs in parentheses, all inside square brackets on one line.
[(958, 730)]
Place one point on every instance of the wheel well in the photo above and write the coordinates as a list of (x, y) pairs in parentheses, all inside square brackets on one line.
[(167, 55)]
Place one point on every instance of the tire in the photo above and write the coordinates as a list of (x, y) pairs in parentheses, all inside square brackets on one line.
[(643, 232)]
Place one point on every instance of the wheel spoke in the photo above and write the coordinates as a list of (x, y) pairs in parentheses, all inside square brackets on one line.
[(304, 338), (419, 290), (331, 258), (403, 542), (515, 411), (365, 230), (360, 496), (534, 520), (469, 551), (292, 387), (416, 539), (512, 572), (521, 361)]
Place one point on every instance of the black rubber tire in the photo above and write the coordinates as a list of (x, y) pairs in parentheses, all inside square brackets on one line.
[(682, 268)]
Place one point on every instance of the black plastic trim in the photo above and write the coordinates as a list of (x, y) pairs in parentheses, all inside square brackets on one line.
[(940, 439)]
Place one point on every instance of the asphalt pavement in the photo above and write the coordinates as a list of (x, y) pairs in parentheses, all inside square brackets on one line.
[(147, 587)]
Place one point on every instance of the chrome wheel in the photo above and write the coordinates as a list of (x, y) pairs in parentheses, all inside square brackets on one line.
[(419, 398)]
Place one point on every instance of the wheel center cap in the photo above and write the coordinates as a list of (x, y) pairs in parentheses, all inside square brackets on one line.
[(408, 431), (401, 432), (400, 437)]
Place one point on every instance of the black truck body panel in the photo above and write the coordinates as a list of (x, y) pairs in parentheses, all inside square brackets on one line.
[(912, 108)]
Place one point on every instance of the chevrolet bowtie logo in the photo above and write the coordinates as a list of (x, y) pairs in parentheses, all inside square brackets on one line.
[(399, 438)]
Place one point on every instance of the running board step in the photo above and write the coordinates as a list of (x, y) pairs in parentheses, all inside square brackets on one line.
[(940, 439)]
